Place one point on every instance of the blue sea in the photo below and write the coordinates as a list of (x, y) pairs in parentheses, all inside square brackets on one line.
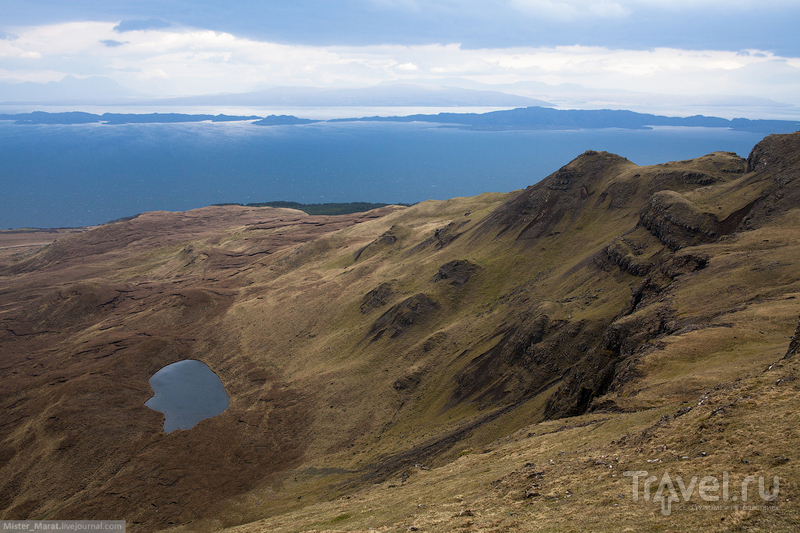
[(78, 175)]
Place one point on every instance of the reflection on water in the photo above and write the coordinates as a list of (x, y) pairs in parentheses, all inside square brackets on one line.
[(187, 392)]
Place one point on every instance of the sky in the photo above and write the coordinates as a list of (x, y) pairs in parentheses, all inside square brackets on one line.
[(673, 49)]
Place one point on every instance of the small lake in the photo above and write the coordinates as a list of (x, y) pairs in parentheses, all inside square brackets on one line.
[(187, 392)]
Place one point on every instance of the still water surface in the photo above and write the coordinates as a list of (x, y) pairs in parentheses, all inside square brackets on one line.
[(187, 392), (76, 175)]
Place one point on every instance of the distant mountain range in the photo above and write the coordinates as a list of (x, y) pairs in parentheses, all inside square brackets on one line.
[(449, 92), (106, 91), (529, 118), (70, 90), (401, 94)]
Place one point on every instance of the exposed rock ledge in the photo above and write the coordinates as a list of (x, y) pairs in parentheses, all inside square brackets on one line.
[(676, 221)]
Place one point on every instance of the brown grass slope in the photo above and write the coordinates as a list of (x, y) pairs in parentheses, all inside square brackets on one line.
[(365, 354)]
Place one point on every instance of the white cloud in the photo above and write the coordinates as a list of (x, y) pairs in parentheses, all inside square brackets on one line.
[(202, 62), (63, 39), (571, 9), (8, 49), (714, 4), (566, 10)]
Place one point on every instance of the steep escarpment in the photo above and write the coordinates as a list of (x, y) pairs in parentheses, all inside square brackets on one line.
[(677, 222), (773, 166), (369, 350), (538, 210), (632, 220)]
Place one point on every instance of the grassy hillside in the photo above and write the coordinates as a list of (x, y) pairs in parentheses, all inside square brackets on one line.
[(495, 362)]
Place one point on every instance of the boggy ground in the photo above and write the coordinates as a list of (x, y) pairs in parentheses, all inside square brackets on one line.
[(611, 318)]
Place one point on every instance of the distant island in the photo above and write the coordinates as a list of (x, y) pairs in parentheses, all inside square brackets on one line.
[(545, 118), (283, 120), (527, 118), (78, 117)]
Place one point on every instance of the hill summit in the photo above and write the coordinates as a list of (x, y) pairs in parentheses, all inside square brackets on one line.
[(501, 362)]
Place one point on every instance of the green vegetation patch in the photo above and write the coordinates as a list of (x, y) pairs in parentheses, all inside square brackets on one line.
[(320, 209), (342, 517)]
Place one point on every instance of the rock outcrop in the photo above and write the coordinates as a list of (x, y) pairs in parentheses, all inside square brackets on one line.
[(794, 344), (402, 316), (676, 221), (457, 272)]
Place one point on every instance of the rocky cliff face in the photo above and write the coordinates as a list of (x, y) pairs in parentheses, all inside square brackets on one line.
[(355, 347)]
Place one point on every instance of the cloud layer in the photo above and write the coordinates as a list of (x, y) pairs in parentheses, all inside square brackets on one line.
[(631, 24), (170, 60)]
